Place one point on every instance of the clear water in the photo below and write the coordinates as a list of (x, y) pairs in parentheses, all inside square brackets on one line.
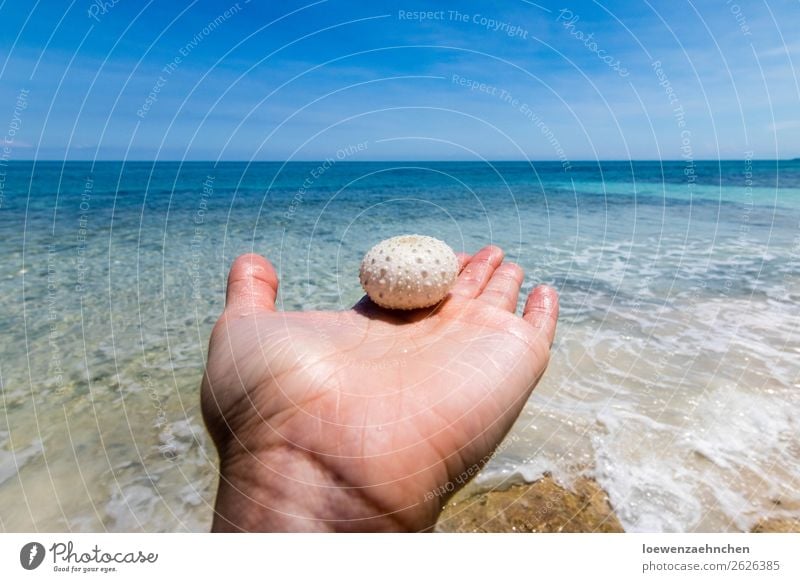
[(675, 379)]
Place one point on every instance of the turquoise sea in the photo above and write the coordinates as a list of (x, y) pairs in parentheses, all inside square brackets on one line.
[(675, 376)]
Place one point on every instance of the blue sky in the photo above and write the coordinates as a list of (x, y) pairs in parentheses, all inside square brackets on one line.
[(473, 80)]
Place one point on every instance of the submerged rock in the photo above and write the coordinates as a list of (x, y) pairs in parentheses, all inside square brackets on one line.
[(541, 506), (777, 525)]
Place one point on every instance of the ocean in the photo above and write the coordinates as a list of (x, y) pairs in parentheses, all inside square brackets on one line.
[(675, 374)]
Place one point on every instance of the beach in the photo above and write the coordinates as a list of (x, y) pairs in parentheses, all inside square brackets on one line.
[(672, 386)]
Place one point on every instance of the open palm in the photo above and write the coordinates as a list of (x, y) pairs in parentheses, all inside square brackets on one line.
[(366, 419)]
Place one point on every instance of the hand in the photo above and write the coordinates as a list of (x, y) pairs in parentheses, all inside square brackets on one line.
[(357, 420)]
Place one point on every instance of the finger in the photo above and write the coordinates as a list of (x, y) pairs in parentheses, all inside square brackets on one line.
[(477, 272), (252, 285), (541, 311), (503, 288), (463, 259)]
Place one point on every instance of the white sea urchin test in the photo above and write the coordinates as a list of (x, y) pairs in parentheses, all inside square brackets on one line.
[(408, 272)]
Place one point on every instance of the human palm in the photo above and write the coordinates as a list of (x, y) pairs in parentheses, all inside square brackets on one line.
[(366, 419)]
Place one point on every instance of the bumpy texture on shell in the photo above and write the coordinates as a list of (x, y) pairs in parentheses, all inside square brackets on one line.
[(408, 272)]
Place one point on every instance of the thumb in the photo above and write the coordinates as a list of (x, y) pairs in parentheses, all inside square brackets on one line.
[(252, 286)]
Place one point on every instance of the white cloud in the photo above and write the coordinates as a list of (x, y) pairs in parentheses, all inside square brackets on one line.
[(783, 125), (793, 49)]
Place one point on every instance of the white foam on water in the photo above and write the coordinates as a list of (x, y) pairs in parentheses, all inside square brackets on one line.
[(132, 507), (508, 474), (645, 496), (693, 423), (11, 462)]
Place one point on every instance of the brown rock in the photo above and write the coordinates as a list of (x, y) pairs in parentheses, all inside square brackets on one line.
[(542, 506), (777, 525)]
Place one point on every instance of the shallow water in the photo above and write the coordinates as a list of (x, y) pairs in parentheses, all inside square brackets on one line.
[(674, 379)]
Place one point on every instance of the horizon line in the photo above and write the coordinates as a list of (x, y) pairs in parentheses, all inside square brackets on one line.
[(279, 161)]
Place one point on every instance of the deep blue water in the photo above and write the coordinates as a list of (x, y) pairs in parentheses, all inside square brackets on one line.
[(538, 212)]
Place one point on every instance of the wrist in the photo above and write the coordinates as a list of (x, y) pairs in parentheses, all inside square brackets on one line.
[(284, 489)]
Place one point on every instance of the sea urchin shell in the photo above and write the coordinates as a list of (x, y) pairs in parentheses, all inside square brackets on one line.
[(408, 272)]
